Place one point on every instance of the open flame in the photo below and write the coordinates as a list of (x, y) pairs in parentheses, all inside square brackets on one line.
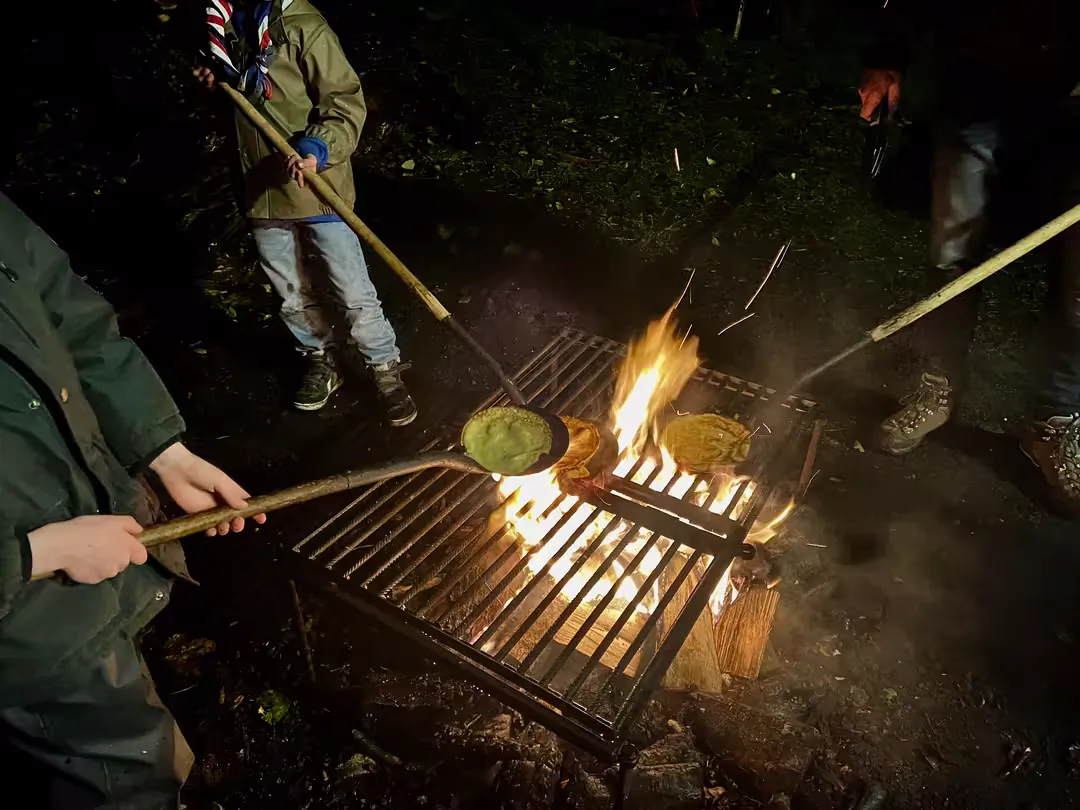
[(656, 369)]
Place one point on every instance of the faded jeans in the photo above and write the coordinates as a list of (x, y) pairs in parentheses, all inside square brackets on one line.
[(965, 163), (290, 252)]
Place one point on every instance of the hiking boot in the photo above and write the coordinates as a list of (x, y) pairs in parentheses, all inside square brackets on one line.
[(924, 410), (319, 381), (1054, 446), (400, 408)]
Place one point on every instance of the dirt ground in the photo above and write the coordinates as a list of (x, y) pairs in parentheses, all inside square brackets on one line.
[(524, 166)]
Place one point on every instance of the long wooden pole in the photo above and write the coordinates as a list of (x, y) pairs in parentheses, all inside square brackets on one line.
[(333, 199), (947, 293), (301, 493), (976, 275), (323, 189)]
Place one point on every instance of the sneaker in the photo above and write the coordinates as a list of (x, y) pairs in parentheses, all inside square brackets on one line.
[(1054, 447), (924, 410), (400, 408), (320, 380)]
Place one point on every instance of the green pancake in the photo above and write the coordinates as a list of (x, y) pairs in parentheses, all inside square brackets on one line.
[(507, 441)]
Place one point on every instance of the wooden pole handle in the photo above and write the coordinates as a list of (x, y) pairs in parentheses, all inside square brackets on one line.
[(200, 522), (331, 198), (976, 275)]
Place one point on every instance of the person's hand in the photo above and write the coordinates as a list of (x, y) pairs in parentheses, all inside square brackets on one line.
[(878, 85), (296, 166), (88, 549), (197, 485), (205, 76)]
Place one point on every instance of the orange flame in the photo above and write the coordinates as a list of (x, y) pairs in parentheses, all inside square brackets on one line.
[(656, 369)]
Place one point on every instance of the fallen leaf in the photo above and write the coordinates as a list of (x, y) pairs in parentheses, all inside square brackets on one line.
[(775, 91), (358, 765), (714, 792), (409, 165), (710, 161)]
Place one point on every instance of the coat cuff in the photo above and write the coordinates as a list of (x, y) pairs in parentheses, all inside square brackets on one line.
[(310, 145), (26, 555), (144, 463)]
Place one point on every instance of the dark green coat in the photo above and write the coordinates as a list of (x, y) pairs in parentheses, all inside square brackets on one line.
[(80, 408)]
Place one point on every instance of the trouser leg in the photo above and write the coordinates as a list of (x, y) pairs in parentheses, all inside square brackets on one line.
[(964, 163), (1057, 391), (336, 245), (111, 744), (279, 256)]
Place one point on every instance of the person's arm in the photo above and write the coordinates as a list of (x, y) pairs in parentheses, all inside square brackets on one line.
[(137, 416), (334, 127), (138, 419), (894, 31)]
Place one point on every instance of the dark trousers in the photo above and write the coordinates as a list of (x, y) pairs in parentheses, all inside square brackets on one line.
[(108, 744), (965, 166)]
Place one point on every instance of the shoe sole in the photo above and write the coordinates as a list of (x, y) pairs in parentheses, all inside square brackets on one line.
[(899, 451), (408, 420), (315, 406)]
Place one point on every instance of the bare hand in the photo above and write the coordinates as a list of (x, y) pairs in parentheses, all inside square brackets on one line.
[(296, 167), (88, 549), (205, 76), (878, 85), (197, 485)]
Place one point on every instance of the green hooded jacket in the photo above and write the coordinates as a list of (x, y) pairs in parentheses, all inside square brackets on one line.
[(316, 94), (80, 411)]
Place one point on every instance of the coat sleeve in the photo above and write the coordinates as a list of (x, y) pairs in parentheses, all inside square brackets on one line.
[(340, 110), (137, 416), (16, 563)]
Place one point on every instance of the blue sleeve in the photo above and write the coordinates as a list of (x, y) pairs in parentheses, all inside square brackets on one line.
[(308, 145)]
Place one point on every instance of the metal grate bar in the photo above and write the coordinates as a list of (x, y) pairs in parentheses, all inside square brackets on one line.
[(624, 617), (601, 607), (404, 501), (462, 570), (519, 566), (652, 620), (404, 548), (553, 594), (597, 575), (541, 576), (446, 558), (437, 543)]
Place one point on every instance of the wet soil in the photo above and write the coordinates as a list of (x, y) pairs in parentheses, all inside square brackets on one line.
[(929, 623)]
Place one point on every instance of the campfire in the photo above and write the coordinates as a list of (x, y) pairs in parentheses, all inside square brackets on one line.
[(573, 600), (554, 530)]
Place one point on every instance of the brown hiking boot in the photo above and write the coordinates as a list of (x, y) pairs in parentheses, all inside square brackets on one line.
[(924, 410), (1054, 446)]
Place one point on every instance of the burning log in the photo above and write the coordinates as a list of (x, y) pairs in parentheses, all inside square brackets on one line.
[(696, 668), (743, 630)]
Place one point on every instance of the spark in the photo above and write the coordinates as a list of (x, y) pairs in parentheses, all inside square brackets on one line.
[(736, 323), (780, 254), (684, 293)]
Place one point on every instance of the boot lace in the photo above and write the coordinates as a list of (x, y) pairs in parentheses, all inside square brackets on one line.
[(388, 378), (933, 397), (1064, 440)]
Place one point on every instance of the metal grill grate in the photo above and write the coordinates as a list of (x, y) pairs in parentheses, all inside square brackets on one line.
[(576, 623)]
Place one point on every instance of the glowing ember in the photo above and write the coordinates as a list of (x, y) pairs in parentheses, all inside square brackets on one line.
[(656, 369)]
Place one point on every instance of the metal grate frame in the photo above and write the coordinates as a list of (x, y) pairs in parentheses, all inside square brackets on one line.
[(434, 556)]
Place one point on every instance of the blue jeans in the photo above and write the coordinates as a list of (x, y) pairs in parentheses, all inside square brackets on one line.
[(288, 253)]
